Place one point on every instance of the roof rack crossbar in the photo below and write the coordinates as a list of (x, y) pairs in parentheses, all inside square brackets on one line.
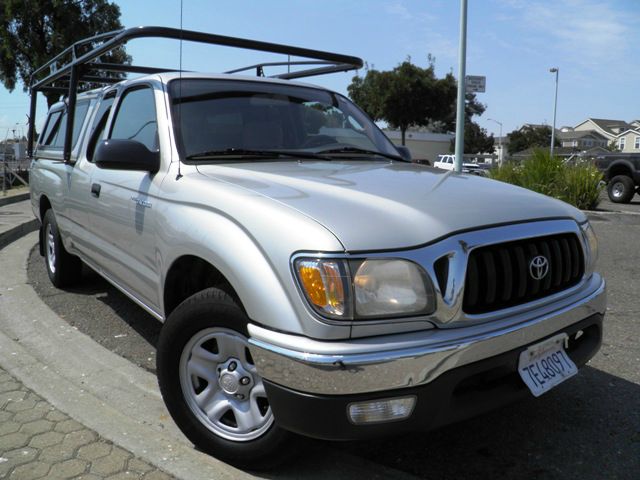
[(55, 89), (98, 79), (314, 71), (88, 75), (118, 67), (78, 62), (279, 64)]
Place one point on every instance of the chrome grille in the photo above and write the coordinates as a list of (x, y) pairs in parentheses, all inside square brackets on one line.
[(499, 276)]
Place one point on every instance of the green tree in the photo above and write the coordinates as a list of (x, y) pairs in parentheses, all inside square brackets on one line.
[(530, 136), (471, 107), (33, 32), (476, 139), (408, 96)]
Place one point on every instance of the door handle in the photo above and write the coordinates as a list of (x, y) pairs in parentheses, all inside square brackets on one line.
[(95, 189)]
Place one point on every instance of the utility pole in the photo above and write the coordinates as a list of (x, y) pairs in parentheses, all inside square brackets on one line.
[(462, 67)]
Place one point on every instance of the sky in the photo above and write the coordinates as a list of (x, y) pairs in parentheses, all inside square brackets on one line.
[(513, 43)]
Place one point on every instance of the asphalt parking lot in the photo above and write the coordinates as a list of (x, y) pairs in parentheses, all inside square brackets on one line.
[(632, 208), (588, 428)]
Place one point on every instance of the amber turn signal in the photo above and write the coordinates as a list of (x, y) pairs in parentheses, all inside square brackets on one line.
[(322, 282)]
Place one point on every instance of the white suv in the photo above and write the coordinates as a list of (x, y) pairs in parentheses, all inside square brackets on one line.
[(445, 162), (448, 162)]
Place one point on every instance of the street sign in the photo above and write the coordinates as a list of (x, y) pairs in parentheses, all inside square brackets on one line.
[(475, 84)]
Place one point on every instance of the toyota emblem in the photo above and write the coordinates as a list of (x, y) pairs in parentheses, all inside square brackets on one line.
[(539, 267)]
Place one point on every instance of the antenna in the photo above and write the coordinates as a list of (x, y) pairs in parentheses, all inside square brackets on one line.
[(179, 176)]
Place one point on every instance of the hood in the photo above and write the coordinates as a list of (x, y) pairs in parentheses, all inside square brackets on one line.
[(389, 205)]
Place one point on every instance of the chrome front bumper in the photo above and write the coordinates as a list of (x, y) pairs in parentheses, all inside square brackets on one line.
[(406, 360)]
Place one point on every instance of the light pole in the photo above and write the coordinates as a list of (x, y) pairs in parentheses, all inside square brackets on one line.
[(462, 66), (500, 155), (555, 70)]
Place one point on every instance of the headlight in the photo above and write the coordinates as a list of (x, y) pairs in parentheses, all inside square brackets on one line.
[(365, 289), (592, 245), (391, 288)]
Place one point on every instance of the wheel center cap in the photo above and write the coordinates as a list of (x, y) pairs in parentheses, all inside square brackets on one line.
[(229, 383)]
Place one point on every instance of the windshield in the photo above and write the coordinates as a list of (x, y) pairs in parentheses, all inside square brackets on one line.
[(232, 118)]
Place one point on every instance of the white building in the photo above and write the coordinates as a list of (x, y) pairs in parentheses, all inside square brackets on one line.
[(423, 145)]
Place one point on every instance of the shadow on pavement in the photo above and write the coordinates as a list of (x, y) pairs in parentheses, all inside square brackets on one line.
[(588, 428), (114, 321)]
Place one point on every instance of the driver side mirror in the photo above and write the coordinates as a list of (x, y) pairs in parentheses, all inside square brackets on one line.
[(120, 154), (404, 152)]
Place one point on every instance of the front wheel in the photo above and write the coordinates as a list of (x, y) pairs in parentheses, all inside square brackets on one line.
[(211, 386), (621, 189)]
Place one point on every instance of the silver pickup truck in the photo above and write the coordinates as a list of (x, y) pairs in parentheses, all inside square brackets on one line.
[(311, 280)]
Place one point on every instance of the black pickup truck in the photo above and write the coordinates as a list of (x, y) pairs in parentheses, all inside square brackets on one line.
[(622, 174)]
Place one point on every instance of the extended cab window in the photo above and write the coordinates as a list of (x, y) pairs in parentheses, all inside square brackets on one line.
[(99, 125), (136, 118), (53, 135), (51, 128)]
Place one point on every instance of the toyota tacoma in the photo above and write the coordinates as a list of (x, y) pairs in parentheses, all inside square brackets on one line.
[(311, 279)]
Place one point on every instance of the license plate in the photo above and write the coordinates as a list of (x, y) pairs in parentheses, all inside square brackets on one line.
[(544, 365)]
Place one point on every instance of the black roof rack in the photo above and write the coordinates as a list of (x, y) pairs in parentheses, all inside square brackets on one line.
[(80, 63)]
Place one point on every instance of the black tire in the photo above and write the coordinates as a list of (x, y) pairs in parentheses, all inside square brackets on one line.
[(63, 268), (213, 310), (621, 189)]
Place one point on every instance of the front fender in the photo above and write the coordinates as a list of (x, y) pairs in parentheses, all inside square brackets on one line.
[(621, 167), (258, 270)]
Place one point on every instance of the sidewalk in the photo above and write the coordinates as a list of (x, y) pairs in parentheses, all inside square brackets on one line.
[(39, 441)]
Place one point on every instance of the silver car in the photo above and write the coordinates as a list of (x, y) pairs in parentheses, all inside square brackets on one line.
[(311, 280)]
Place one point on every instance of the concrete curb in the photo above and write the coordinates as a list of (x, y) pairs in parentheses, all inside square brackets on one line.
[(17, 232), (608, 212), (113, 397), (13, 199)]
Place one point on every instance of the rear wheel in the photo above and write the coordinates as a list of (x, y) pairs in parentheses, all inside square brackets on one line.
[(211, 386), (621, 189), (63, 268)]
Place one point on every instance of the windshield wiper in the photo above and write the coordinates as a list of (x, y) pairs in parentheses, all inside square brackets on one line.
[(361, 150), (244, 152)]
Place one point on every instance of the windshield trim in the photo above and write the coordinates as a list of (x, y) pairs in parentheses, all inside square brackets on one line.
[(251, 153)]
